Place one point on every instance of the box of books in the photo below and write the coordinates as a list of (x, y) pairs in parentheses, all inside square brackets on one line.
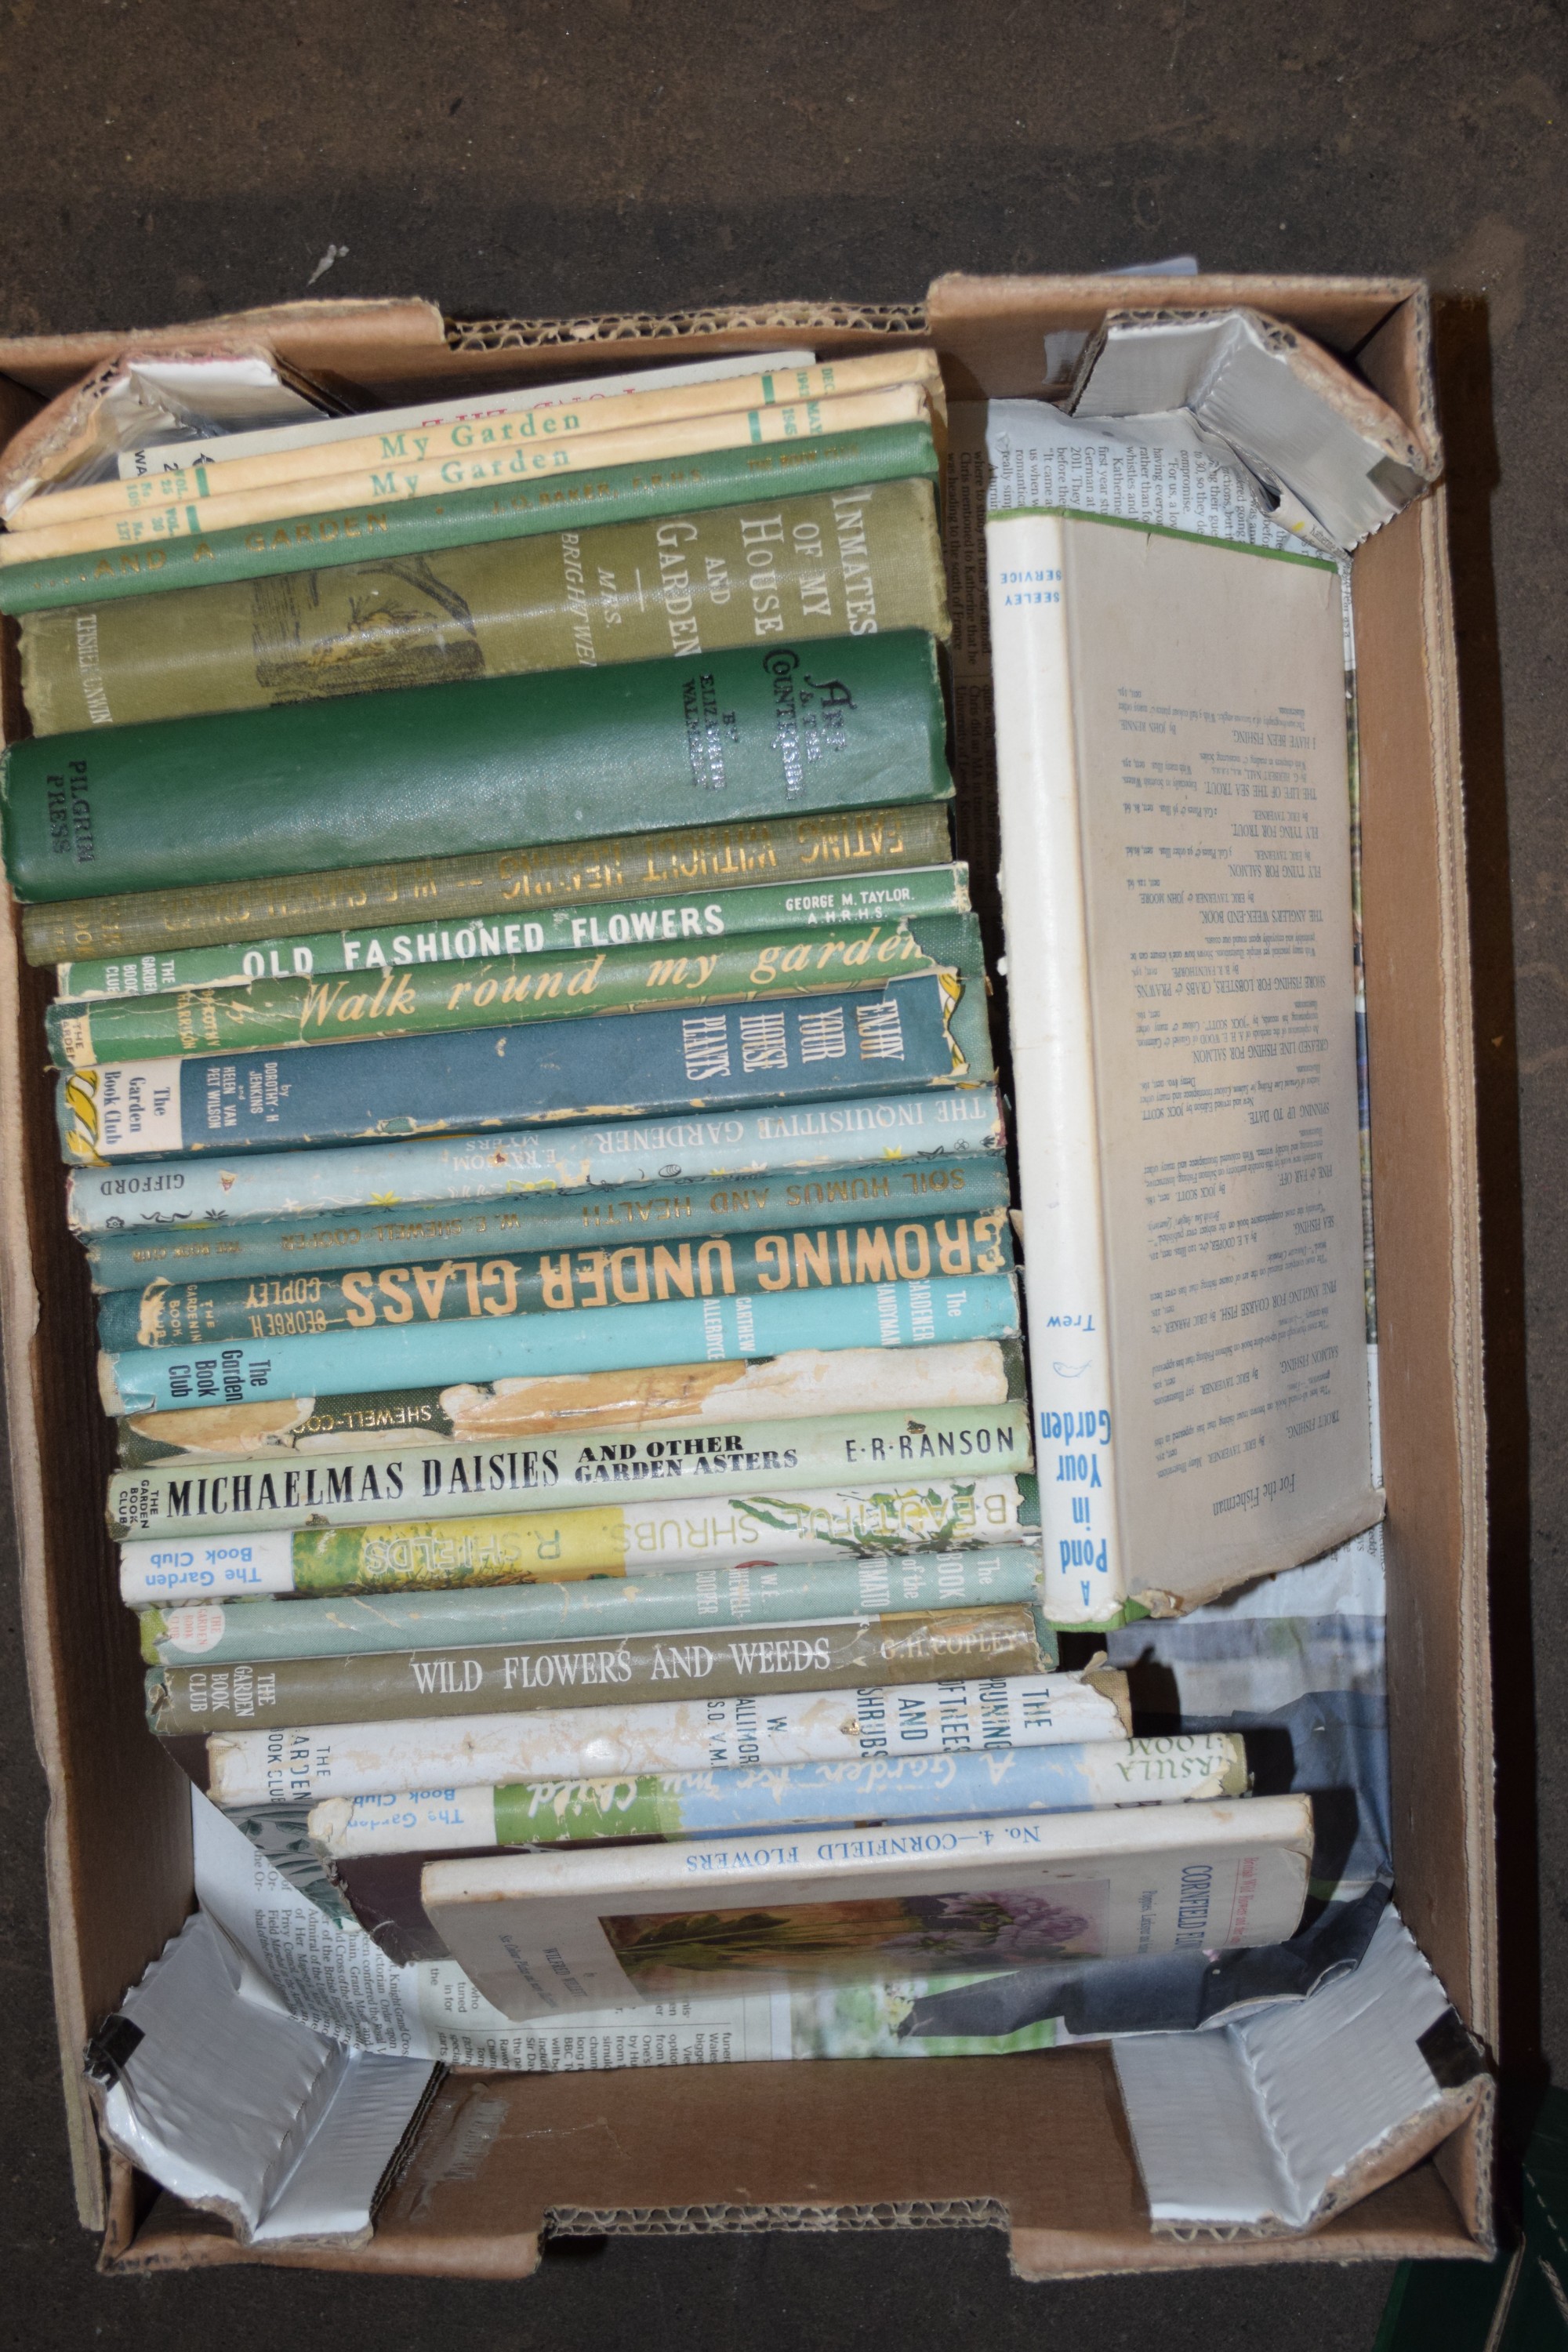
[(741, 1277)]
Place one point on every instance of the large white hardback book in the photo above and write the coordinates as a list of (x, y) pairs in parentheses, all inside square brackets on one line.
[(1174, 782), (586, 1928)]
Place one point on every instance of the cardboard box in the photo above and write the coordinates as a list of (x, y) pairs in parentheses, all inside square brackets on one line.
[(1038, 2145)]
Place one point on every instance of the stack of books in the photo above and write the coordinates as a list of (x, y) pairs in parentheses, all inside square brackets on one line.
[(526, 1077)]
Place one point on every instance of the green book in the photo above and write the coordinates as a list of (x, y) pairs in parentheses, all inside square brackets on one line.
[(394, 1685), (618, 1271), (607, 1604), (124, 942), (422, 999), (358, 1486), (565, 755), (468, 518), (674, 922), (857, 562), (765, 1534)]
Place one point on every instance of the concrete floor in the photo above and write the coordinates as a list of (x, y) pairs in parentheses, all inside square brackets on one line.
[(166, 161)]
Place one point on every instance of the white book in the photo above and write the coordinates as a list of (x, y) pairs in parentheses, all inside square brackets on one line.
[(1174, 785), (303, 1765), (152, 458), (548, 1934)]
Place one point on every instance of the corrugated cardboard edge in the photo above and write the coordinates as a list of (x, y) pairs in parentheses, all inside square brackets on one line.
[(730, 2221), (879, 319), (1411, 2219)]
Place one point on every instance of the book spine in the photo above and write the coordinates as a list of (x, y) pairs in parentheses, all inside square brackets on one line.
[(809, 1140), (805, 1384), (308, 1762), (390, 528), (482, 439), (768, 908), (929, 1031), (228, 515), (623, 1272), (605, 1602), (422, 1000), (530, 757), (288, 1247), (897, 1314), (1093, 1776), (379, 1687), (556, 1545), (838, 854), (355, 1487), (222, 448), (786, 568), (1052, 1064)]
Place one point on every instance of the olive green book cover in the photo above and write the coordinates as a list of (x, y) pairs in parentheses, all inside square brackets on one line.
[(853, 562)]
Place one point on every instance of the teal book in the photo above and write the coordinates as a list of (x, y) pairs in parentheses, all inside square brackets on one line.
[(618, 1271), (929, 1031), (762, 731), (299, 1249), (897, 1314), (813, 1140), (471, 517), (808, 1385), (223, 1633)]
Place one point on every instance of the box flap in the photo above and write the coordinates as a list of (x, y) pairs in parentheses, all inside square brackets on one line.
[(1270, 2124), (991, 331), (356, 340), (1327, 457), (230, 2101)]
